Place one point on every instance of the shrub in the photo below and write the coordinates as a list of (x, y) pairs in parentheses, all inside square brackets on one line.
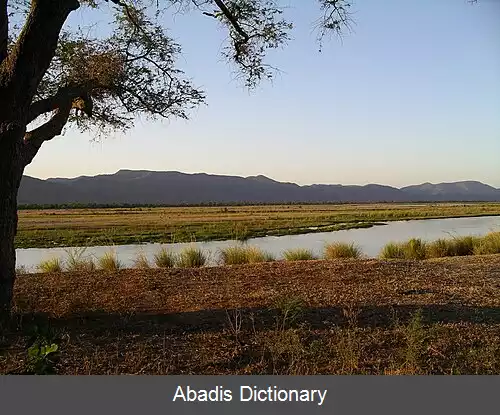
[(299, 254), (342, 250), (165, 259), (109, 262), (192, 258), (51, 265)]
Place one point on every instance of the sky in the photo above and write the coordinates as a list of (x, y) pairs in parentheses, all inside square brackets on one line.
[(411, 95)]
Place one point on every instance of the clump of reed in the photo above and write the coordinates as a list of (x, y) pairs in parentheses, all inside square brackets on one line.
[(299, 254), (77, 262), (337, 250), (489, 244)]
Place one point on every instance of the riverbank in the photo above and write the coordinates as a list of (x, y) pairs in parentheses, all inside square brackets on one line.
[(120, 226), (307, 317)]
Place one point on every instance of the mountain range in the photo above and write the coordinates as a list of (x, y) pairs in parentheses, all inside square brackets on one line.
[(176, 188)]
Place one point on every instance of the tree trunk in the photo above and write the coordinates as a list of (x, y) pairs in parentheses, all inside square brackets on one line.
[(11, 170)]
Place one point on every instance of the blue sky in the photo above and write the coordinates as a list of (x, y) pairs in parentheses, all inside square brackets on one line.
[(412, 95)]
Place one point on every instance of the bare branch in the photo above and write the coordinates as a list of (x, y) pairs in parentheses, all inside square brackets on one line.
[(232, 19)]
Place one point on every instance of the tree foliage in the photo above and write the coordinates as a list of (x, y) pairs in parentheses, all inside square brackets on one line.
[(103, 82)]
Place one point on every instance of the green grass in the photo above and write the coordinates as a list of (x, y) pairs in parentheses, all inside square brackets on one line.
[(51, 265), (392, 250), (192, 258), (165, 259), (109, 262), (342, 250), (298, 254)]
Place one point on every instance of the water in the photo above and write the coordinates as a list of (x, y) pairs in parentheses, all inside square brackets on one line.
[(370, 240)]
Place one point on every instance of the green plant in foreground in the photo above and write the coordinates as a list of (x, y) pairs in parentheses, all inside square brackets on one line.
[(464, 245), (41, 357), (165, 259), (109, 262), (342, 250), (51, 265), (439, 248), (290, 309), (234, 255), (299, 254), (192, 258), (392, 250)]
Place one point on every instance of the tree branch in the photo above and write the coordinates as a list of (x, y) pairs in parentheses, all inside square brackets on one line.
[(75, 95), (22, 71), (4, 30), (34, 139), (232, 19)]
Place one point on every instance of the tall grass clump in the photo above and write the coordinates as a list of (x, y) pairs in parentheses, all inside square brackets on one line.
[(342, 250), (236, 255), (439, 248), (489, 244), (109, 262), (464, 245), (392, 250), (192, 258), (165, 259), (141, 261), (299, 254), (76, 262), (415, 248), (51, 265)]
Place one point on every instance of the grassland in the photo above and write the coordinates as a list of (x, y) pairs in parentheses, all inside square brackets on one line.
[(438, 316), (86, 227)]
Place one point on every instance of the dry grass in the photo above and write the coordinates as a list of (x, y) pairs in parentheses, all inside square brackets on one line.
[(109, 262), (51, 265), (299, 254), (192, 257), (440, 316), (165, 259), (337, 250)]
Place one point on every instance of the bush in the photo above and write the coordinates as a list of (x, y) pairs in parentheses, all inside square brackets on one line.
[(51, 265), (165, 259), (109, 262), (299, 254), (192, 258), (342, 250)]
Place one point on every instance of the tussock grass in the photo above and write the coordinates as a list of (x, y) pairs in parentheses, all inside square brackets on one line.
[(192, 257), (489, 244), (299, 254), (342, 250), (392, 250), (439, 248), (415, 248), (76, 262), (464, 245), (51, 265), (141, 261), (165, 259), (109, 262), (236, 255)]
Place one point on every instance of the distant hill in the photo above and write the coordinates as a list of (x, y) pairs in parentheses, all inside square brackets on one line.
[(173, 188)]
